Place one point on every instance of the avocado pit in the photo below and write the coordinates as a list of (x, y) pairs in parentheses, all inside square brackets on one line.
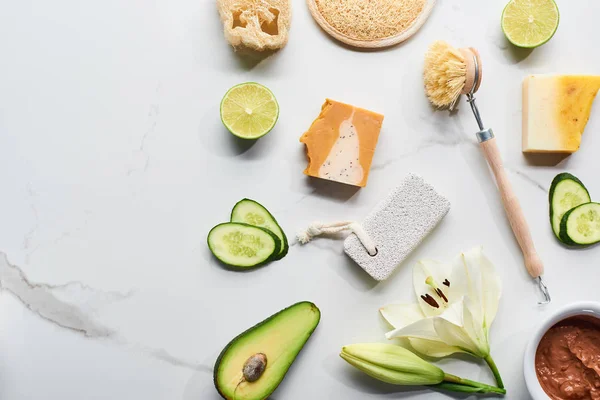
[(254, 367)]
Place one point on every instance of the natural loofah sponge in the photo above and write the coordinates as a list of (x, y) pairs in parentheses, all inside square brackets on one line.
[(373, 23), (256, 24)]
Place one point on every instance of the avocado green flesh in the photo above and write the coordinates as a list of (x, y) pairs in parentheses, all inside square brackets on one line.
[(253, 213), (280, 337)]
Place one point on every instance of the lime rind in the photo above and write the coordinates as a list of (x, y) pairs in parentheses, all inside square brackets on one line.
[(266, 112), (540, 42)]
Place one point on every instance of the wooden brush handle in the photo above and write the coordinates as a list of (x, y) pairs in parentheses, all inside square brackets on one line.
[(513, 209)]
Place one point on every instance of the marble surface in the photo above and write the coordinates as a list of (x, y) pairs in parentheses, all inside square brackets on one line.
[(114, 165)]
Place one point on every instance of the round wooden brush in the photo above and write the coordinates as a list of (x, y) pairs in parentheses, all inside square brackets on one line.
[(450, 72)]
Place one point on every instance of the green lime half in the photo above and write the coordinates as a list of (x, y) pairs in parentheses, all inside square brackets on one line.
[(530, 23), (249, 110)]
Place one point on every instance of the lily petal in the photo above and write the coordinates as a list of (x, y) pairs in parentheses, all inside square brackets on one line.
[(492, 289), (424, 339), (421, 329), (463, 279), (439, 272), (400, 315), (454, 313), (474, 275), (433, 348), (456, 334), (477, 332)]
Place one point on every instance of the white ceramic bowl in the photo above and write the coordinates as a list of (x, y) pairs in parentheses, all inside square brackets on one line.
[(581, 308)]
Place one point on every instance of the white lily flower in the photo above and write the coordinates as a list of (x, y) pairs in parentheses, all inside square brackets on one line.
[(455, 308)]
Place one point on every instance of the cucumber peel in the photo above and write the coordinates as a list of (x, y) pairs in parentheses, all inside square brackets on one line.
[(566, 193), (253, 213), (252, 237), (580, 226), (243, 246)]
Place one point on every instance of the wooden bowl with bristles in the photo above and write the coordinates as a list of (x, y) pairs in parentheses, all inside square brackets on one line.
[(370, 24), (450, 72)]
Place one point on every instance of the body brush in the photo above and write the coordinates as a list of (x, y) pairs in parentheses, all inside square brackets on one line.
[(450, 72)]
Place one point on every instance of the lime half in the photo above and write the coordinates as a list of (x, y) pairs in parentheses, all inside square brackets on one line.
[(530, 23), (249, 110)]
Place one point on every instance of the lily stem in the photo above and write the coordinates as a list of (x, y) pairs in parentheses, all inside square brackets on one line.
[(490, 362), (466, 382)]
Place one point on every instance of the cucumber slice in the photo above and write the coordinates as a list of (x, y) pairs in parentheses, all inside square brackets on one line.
[(243, 246), (566, 193), (253, 213), (581, 225)]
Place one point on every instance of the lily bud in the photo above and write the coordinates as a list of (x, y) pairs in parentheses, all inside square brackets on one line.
[(392, 364)]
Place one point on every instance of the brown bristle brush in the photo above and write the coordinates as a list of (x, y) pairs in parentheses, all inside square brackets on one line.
[(450, 72)]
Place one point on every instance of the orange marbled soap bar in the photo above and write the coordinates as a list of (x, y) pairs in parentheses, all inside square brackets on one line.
[(341, 142)]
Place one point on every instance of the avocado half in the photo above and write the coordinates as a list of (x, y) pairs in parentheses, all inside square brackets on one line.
[(279, 337)]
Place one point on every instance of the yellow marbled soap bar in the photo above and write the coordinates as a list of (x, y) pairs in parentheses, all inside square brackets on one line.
[(556, 109)]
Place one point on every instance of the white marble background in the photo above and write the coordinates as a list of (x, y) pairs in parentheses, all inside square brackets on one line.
[(114, 165)]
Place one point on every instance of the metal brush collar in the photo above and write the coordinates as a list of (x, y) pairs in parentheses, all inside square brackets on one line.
[(483, 134)]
